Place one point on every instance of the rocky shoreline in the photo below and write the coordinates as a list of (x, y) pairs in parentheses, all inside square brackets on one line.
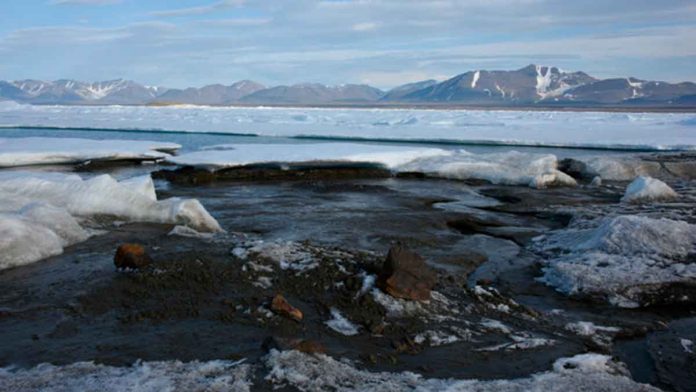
[(303, 282)]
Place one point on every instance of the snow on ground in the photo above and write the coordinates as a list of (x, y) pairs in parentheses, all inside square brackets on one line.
[(586, 372), (142, 377), (594, 129), (625, 259), (341, 324), (648, 189), (512, 167), (49, 150), (41, 213), (588, 328)]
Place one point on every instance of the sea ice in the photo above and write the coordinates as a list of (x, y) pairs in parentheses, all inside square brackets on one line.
[(534, 128), (627, 259), (648, 189), (41, 213), (50, 150)]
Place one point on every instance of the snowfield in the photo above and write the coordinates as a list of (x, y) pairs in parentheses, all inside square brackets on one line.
[(41, 213), (49, 150), (548, 128)]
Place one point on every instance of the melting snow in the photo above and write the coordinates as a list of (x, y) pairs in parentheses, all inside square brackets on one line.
[(341, 324), (142, 376), (321, 372)]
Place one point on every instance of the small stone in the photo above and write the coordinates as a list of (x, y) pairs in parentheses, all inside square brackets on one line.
[(131, 256), (310, 347), (281, 306), (405, 275)]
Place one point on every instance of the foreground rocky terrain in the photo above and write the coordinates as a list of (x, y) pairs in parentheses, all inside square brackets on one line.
[(357, 278)]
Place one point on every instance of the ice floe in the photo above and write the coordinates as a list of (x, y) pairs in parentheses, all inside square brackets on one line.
[(320, 372), (216, 157), (512, 167), (630, 260), (41, 213), (648, 189), (589, 129), (50, 150), (153, 376)]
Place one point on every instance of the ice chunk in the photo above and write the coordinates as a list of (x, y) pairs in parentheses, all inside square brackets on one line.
[(341, 324), (648, 189), (49, 150), (41, 213), (510, 168), (35, 232), (586, 372), (619, 168), (153, 376), (627, 259), (143, 185)]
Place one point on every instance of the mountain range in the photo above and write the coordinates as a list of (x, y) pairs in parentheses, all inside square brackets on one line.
[(532, 85)]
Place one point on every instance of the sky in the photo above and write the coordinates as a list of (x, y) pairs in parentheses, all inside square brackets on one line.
[(379, 42)]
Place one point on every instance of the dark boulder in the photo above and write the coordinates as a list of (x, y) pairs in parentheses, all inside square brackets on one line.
[(406, 275)]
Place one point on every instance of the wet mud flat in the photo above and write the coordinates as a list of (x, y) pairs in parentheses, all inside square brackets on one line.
[(321, 241)]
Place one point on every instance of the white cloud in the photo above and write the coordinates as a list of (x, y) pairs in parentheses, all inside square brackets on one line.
[(365, 26), (84, 2), (199, 10)]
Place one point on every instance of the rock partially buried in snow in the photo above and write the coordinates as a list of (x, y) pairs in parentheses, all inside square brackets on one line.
[(647, 189), (405, 275), (131, 256), (282, 307)]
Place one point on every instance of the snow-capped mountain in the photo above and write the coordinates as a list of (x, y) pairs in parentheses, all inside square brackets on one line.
[(529, 84), (62, 91), (534, 85)]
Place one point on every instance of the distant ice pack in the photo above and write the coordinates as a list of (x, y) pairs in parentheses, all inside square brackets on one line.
[(536, 128)]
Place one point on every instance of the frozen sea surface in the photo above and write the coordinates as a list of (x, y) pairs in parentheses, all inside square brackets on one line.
[(529, 128)]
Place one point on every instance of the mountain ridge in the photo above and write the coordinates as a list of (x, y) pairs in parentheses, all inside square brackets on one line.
[(533, 85)]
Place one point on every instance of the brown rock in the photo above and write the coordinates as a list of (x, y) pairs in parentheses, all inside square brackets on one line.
[(131, 256), (405, 275), (310, 347), (282, 307)]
